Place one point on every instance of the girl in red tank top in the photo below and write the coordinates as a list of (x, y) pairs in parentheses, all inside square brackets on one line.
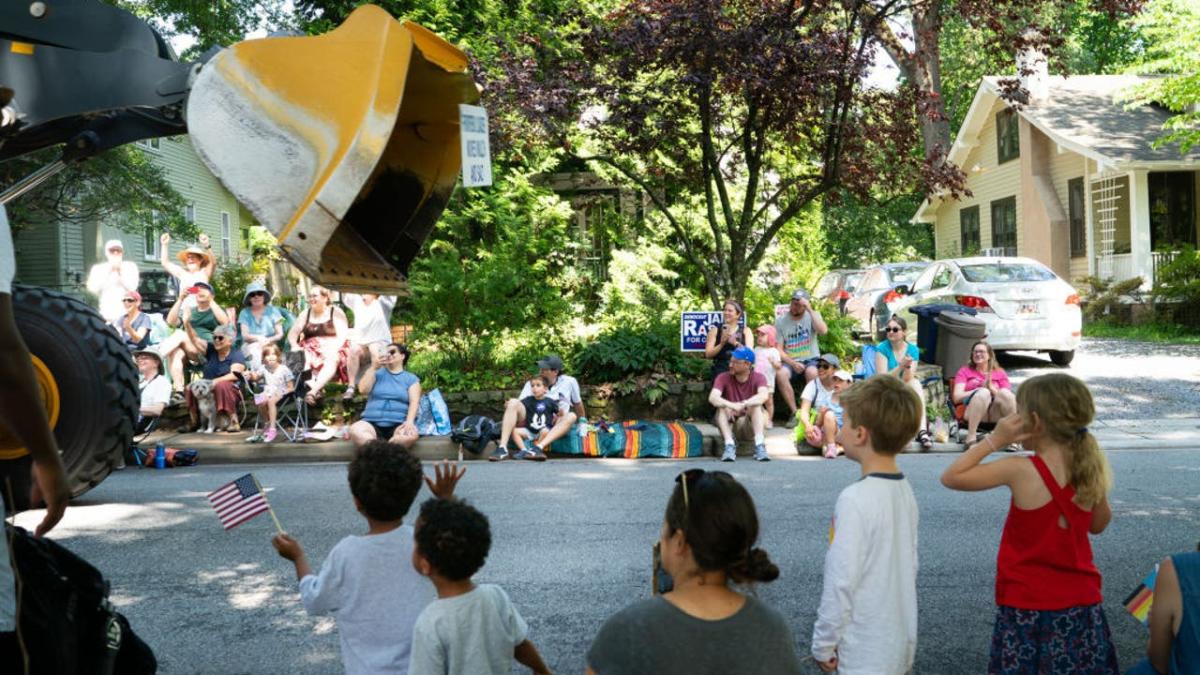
[(1048, 601)]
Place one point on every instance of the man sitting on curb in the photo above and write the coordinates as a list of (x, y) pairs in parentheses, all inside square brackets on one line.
[(818, 394), (739, 396), (564, 389)]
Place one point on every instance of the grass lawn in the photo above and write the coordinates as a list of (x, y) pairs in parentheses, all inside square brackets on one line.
[(1146, 332)]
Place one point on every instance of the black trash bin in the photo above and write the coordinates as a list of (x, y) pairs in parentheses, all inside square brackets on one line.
[(927, 328), (957, 332)]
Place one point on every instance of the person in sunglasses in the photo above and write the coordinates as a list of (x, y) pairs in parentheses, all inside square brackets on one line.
[(133, 326), (223, 365), (818, 394), (897, 356), (393, 398), (705, 623)]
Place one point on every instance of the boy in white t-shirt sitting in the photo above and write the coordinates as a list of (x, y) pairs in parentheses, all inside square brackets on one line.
[(367, 581), (867, 620)]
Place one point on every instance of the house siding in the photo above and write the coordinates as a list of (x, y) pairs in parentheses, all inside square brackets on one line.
[(990, 182), (36, 250), (186, 172)]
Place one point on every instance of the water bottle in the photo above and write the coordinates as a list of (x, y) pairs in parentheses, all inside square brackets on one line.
[(583, 427), (160, 456)]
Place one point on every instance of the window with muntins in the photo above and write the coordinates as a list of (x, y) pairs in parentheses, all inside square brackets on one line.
[(1008, 138), (1004, 225), (226, 237), (968, 226)]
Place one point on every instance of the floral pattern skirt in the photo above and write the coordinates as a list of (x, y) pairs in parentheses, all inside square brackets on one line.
[(1052, 642)]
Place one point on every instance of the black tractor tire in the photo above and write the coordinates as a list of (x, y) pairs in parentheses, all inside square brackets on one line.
[(1062, 359), (96, 379)]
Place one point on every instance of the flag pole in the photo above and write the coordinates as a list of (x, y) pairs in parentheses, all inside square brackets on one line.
[(268, 502)]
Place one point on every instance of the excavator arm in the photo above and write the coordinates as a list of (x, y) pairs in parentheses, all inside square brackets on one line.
[(345, 146)]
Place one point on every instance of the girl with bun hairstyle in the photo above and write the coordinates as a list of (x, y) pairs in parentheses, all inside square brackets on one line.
[(704, 624)]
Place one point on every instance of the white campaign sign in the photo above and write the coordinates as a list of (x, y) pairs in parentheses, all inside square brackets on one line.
[(476, 153)]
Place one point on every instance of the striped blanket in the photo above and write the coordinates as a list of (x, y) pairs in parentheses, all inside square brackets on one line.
[(632, 439)]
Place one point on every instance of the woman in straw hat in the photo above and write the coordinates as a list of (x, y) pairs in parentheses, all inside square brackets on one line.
[(199, 263)]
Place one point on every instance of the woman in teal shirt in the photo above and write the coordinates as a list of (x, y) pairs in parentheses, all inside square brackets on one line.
[(903, 366)]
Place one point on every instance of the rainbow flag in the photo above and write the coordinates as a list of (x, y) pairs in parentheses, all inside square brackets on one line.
[(1139, 601)]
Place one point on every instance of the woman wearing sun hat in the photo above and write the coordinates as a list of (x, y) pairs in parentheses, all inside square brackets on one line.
[(199, 263), (260, 323)]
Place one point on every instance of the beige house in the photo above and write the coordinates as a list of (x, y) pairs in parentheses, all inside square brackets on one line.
[(1071, 179)]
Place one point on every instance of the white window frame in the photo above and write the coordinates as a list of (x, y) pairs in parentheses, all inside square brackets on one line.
[(150, 144), (226, 235), (189, 212), (150, 236)]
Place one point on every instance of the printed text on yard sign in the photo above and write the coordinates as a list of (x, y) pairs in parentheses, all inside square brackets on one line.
[(693, 329), (476, 154)]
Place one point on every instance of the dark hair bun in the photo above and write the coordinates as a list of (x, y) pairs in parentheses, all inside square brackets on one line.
[(756, 566)]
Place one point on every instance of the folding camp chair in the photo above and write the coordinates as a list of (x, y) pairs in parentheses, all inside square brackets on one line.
[(291, 410)]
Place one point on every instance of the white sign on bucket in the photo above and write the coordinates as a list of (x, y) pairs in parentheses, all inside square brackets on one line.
[(476, 153)]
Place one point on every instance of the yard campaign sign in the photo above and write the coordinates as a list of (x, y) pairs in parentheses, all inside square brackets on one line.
[(693, 329)]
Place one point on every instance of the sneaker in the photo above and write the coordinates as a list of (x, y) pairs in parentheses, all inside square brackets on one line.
[(792, 422), (532, 453), (498, 455), (269, 437), (730, 453), (760, 453), (831, 451), (254, 438), (924, 439)]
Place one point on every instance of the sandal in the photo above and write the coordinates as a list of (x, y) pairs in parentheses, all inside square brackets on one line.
[(349, 395), (925, 439)]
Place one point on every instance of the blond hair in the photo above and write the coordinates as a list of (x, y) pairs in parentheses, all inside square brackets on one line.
[(272, 348), (885, 407), (1065, 407)]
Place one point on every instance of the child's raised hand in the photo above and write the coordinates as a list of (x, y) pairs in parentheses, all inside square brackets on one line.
[(287, 546), (1009, 430), (446, 477)]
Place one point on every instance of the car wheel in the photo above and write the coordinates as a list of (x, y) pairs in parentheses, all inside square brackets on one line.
[(88, 382), (1062, 358)]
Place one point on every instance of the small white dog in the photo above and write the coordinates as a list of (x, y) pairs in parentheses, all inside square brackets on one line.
[(206, 403)]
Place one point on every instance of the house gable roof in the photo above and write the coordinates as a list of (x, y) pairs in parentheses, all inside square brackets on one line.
[(1082, 113)]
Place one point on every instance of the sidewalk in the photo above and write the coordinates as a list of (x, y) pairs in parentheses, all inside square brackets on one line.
[(222, 448)]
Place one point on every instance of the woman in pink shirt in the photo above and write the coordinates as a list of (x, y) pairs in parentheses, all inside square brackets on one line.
[(982, 392)]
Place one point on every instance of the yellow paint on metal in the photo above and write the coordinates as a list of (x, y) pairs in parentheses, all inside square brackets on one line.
[(22, 48), (293, 74), (51, 401)]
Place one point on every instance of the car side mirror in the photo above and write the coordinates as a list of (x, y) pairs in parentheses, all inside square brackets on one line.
[(901, 289)]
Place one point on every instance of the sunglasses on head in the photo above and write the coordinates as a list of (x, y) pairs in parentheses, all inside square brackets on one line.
[(689, 476), (893, 329)]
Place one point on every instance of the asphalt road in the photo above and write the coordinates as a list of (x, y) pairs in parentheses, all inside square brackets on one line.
[(572, 545)]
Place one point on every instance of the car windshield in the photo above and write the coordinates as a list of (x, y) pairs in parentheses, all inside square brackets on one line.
[(1000, 272), (905, 275), (852, 282)]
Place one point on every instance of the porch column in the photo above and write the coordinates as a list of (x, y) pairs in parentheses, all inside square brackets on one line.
[(1139, 227)]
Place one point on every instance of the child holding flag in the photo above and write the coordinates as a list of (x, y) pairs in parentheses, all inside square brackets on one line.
[(367, 582), (1048, 613)]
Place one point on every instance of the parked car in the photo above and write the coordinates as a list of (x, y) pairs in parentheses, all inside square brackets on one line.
[(1025, 304), (159, 291), (837, 286), (869, 303)]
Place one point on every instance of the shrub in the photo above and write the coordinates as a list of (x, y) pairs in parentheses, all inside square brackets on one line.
[(1179, 279), (1104, 296), (613, 357)]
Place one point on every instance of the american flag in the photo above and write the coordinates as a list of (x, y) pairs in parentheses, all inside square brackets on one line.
[(238, 501)]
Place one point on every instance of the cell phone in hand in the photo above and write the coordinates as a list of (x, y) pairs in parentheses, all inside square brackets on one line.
[(660, 581)]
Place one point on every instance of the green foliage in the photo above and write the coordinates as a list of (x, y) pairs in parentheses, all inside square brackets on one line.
[(616, 356), (875, 230), (1172, 29), (231, 280), (839, 341), (1156, 331), (1179, 280), (1103, 296)]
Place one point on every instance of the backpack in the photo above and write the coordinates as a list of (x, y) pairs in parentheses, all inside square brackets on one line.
[(474, 432), (66, 621)]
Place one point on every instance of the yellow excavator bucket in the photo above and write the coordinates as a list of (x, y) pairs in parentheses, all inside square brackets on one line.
[(344, 145)]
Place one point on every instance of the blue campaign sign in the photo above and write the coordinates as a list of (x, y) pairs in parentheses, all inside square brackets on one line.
[(693, 329)]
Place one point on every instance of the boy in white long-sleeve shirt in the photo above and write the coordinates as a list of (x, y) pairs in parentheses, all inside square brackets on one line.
[(867, 621)]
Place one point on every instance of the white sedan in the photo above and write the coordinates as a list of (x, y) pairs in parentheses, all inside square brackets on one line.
[(1026, 305)]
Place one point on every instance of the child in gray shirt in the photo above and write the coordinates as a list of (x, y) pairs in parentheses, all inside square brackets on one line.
[(470, 629), (363, 582)]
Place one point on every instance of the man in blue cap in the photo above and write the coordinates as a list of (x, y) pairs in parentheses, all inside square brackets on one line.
[(739, 396)]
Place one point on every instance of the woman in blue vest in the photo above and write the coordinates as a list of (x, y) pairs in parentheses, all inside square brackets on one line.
[(393, 397)]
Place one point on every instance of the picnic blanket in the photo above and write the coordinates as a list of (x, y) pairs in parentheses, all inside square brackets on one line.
[(632, 439)]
